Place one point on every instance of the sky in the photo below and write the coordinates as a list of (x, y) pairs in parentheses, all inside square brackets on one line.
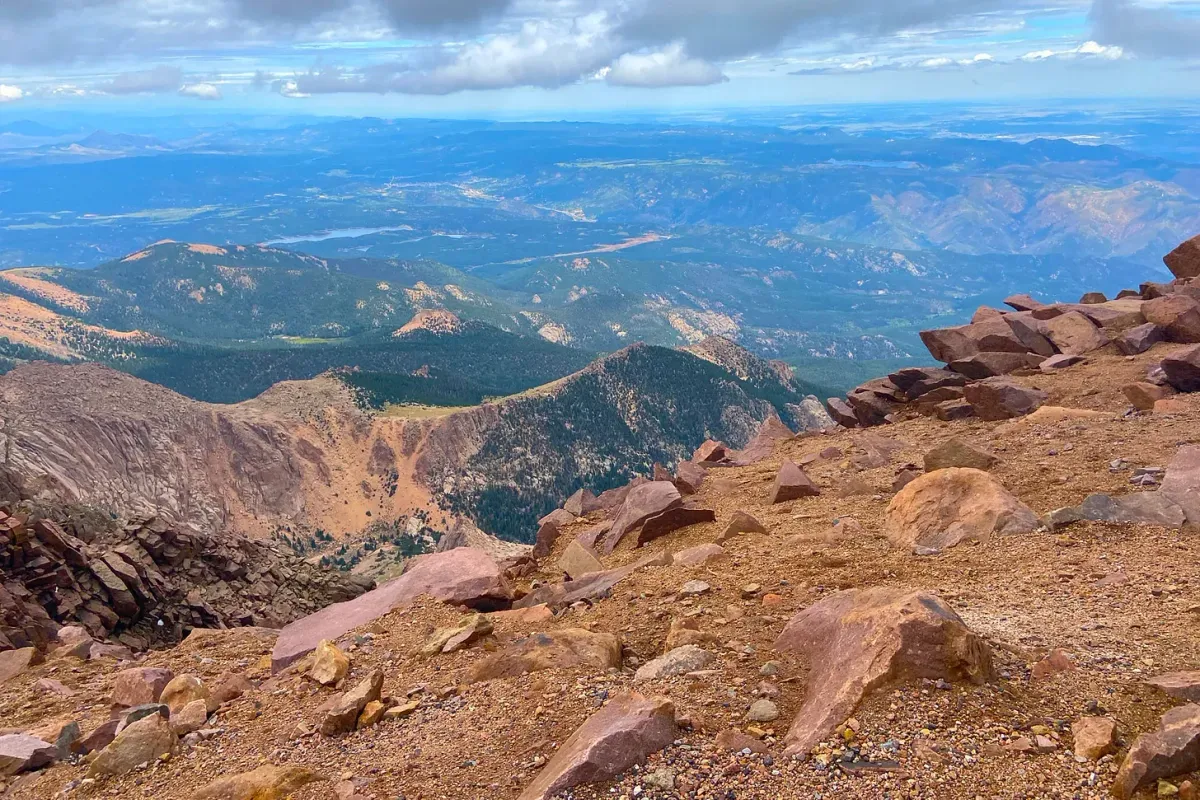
[(478, 56)]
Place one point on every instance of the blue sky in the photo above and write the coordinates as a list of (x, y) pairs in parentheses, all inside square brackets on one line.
[(395, 57)]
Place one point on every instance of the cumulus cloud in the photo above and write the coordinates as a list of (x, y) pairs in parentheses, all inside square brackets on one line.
[(1085, 50), (669, 67), (872, 64), (157, 79), (1151, 31), (9, 93), (201, 91)]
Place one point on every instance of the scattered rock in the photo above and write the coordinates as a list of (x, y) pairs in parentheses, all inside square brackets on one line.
[(945, 507), (469, 629), (689, 477), (734, 741), (1184, 685), (190, 718), (1177, 314), (992, 365), (64, 734), (1142, 508), (580, 504), (762, 711), (700, 554), (671, 520), (268, 782), (1055, 663), (957, 453), (343, 717), (140, 743), (1173, 749), (1090, 298), (645, 501), (22, 753), (559, 649), (710, 453), (1181, 370), (685, 631), (679, 661), (184, 689), (1139, 339), (858, 639), (1060, 361), (1181, 484), (1074, 334), (1095, 737), (694, 589), (579, 560), (547, 534), (1144, 395), (1000, 398), (230, 687), (140, 685), (791, 484), (623, 733), (17, 662), (329, 664), (952, 410), (739, 523)]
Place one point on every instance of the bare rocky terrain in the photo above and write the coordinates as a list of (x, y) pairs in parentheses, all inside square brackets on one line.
[(984, 584)]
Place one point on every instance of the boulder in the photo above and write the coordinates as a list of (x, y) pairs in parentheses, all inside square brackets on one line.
[(860, 639), (791, 484), (841, 412), (645, 501), (1095, 737), (1143, 395), (1172, 749), (710, 453), (955, 344), (579, 560), (700, 554), (64, 734), (463, 576), (190, 718), (689, 477), (547, 534), (1114, 317), (1022, 302), (1139, 339), (559, 649), (1181, 484), (1055, 363), (1000, 398), (625, 732), (1184, 261), (1032, 332), (101, 737), (1141, 508), (984, 313), (770, 433), (559, 517), (140, 685), (679, 661), (992, 365), (1074, 334), (945, 507), (267, 782), (740, 523), (140, 743), (17, 662), (580, 504), (1177, 314), (951, 410), (957, 453), (1181, 370), (917, 382), (343, 717), (230, 686), (329, 664), (21, 753), (592, 586), (184, 689), (129, 716), (673, 519), (1183, 685), (469, 629), (1091, 298)]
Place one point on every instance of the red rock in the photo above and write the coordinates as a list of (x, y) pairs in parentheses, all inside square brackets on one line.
[(22, 753), (1181, 369), (1000, 398), (1114, 317), (991, 365), (645, 501), (859, 639), (841, 412), (582, 503), (623, 733), (140, 685), (547, 534), (700, 554), (770, 433), (1055, 663), (610, 502), (1022, 302), (952, 410), (1139, 339), (872, 407), (589, 587), (1092, 298), (1184, 261), (101, 737), (904, 476), (877, 451), (917, 382), (1178, 315), (739, 523), (17, 662), (1031, 332), (710, 453), (955, 344), (559, 649), (1171, 405), (1143, 395), (1181, 484), (1183, 685), (943, 508), (463, 576), (1152, 289), (1074, 334), (957, 453), (343, 716), (266, 782), (1173, 749), (229, 687), (1060, 361), (559, 516), (579, 560), (734, 741), (689, 477), (671, 520), (1095, 737), (791, 483)]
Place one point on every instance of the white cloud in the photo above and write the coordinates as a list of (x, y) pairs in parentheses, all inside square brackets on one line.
[(147, 81), (1085, 50), (668, 67), (202, 91), (9, 93)]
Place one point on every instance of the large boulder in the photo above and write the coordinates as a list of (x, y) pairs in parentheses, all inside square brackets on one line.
[(623, 733), (1000, 398), (1173, 749), (1184, 685), (1181, 369), (1181, 484), (140, 685), (463, 576), (1139, 339), (343, 716), (268, 782), (184, 689), (1177, 314), (947, 506), (16, 662), (957, 453), (916, 382), (671, 520), (1184, 261), (860, 639), (645, 501), (992, 365), (791, 483), (567, 647), (579, 560), (22, 753), (955, 344), (1073, 333), (580, 504), (140, 743)]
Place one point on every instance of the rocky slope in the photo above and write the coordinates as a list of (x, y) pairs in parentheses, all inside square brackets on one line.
[(942, 608)]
